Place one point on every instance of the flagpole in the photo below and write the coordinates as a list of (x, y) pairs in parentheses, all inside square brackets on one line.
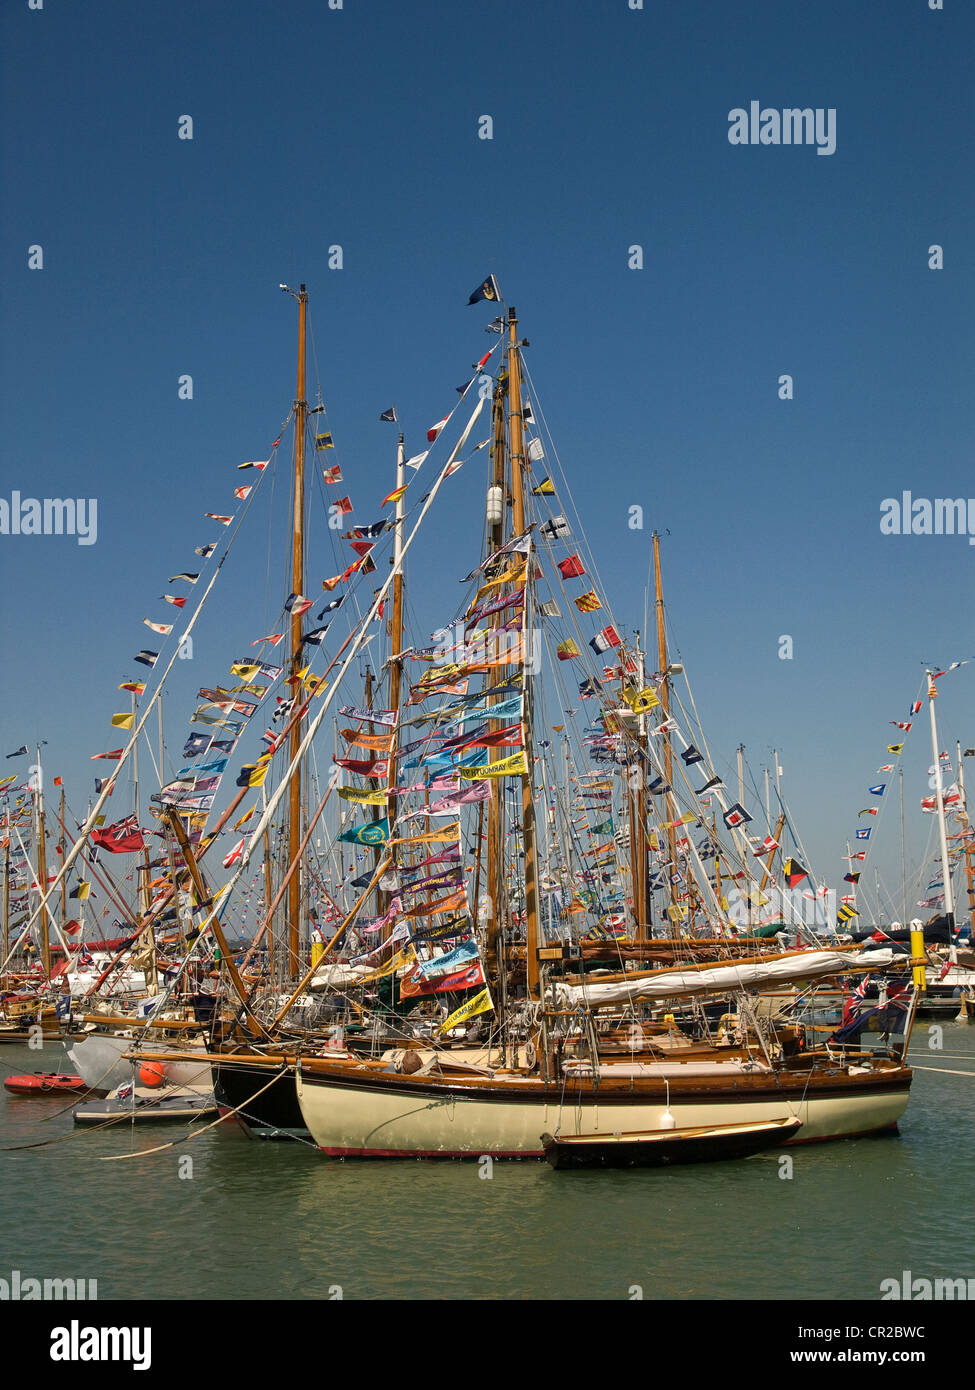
[(942, 829)]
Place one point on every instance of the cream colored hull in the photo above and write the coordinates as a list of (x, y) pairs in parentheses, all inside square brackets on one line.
[(348, 1121)]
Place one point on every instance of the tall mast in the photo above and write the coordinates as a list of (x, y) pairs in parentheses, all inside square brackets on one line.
[(297, 583), (638, 830), (42, 871), (969, 867), (942, 829), (396, 623), (64, 881), (665, 706), (495, 539), (518, 522)]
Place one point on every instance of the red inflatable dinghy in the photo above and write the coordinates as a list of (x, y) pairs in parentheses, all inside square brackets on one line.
[(44, 1083)]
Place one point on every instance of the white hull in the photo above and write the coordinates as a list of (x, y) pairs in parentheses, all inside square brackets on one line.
[(399, 1121)]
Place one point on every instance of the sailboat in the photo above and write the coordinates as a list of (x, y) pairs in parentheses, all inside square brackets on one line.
[(446, 1107), (472, 1013)]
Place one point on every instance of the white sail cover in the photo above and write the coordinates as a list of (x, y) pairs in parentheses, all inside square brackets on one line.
[(776, 971)]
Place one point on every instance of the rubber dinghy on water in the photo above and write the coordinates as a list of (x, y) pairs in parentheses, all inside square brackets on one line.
[(44, 1083), (663, 1147)]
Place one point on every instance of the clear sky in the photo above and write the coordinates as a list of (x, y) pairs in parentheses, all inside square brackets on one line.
[(358, 127)]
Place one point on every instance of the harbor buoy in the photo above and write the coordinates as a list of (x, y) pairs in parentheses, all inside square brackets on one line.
[(152, 1074)]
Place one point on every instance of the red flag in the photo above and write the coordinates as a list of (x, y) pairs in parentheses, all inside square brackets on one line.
[(121, 838), (434, 430), (571, 568)]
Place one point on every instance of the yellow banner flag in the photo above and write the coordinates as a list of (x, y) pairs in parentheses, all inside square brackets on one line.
[(510, 576), (238, 825), (403, 957), (122, 721), (504, 767), (434, 674), (364, 798), (247, 670), (480, 1004), (448, 836)]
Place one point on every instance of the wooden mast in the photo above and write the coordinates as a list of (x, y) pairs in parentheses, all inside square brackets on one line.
[(395, 630), (297, 583), (226, 958), (518, 523), (638, 819), (495, 539), (668, 750)]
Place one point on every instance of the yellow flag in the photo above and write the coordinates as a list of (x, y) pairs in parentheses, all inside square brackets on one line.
[(245, 818), (480, 1004), (247, 670), (640, 701), (259, 772), (402, 957), (504, 767), (510, 576), (122, 721), (363, 798), (447, 836)]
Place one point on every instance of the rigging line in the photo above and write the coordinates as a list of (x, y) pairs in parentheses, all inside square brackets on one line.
[(90, 823), (564, 478), (319, 718), (270, 524), (194, 1133)]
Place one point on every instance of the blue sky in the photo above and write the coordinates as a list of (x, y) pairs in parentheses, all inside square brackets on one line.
[(358, 128)]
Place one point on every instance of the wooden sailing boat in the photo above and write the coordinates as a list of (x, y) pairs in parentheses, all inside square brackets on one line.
[(446, 1107), (551, 1062)]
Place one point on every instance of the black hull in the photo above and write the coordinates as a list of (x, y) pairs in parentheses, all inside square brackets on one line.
[(272, 1114), (661, 1150)]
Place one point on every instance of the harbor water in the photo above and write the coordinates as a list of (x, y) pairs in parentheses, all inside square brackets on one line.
[(220, 1216)]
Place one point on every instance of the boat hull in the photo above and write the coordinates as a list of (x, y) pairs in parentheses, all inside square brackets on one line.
[(261, 1095), (666, 1147), (98, 1058), (354, 1113)]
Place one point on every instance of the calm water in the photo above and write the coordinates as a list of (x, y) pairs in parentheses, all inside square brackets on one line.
[(260, 1220)]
